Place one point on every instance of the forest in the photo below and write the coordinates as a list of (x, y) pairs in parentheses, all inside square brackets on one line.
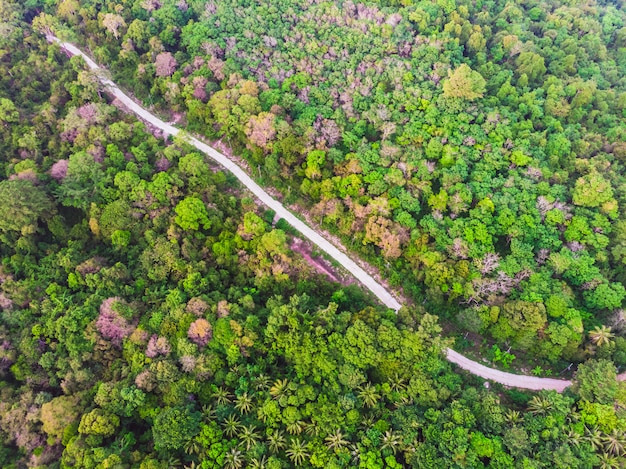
[(472, 151), (154, 316)]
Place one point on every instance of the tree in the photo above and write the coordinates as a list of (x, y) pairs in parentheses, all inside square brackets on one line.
[(174, 426), (336, 440), (193, 165), (464, 83), (113, 22), (221, 395), (592, 190), (601, 335), (82, 184), (259, 463), (231, 425), (165, 64), (596, 381), (369, 395), (520, 321), (8, 112), (248, 436), (243, 403), (607, 461), (191, 213), (532, 65), (112, 325), (605, 296), (539, 405), (615, 443), (276, 441), (279, 388), (390, 441), (233, 459), (98, 423), (24, 205), (58, 414), (261, 130), (200, 332), (297, 451)]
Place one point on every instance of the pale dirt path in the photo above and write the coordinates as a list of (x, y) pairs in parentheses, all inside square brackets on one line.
[(507, 379)]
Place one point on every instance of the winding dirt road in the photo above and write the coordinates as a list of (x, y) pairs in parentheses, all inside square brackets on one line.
[(507, 379)]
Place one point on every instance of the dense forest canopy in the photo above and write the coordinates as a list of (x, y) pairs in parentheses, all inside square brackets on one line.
[(473, 151), (153, 316)]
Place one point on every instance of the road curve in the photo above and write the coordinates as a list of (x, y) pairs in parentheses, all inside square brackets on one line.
[(507, 379)]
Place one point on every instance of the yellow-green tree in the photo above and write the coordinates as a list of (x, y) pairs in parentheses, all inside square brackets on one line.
[(464, 83)]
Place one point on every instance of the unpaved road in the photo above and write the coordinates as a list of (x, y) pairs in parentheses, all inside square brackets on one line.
[(507, 379)]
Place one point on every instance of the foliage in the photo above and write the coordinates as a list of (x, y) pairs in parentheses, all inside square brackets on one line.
[(473, 153), (151, 316)]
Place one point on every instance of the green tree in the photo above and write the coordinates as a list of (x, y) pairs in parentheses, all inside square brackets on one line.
[(520, 321), (601, 335), (58, 414), (191, 213), (335, 441), (99, 423), (464, 83), (592, 190), (532, 65), (24, 204), (174, 426), (596, 381), (8, 112), (297, 451)]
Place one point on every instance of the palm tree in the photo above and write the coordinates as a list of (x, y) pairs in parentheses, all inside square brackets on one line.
[(574, 438), (192, 446), (513, 416), (233, 459), (297, 451), (276, 441), (248, 436), (208, 412), (404, 400), (608, 462), (409, 451), (615, 443), (397, 383), (593, 437), (295, 428), (256, 463), (391, 441), (366, 422), (601, 335), (173, 463), (231, 425), (335, 440), (244, 403), (355, 452), (368, 395), (574, 415), (279, 389), (312, 429), (221, 396), (539, 405), (262, 382)]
